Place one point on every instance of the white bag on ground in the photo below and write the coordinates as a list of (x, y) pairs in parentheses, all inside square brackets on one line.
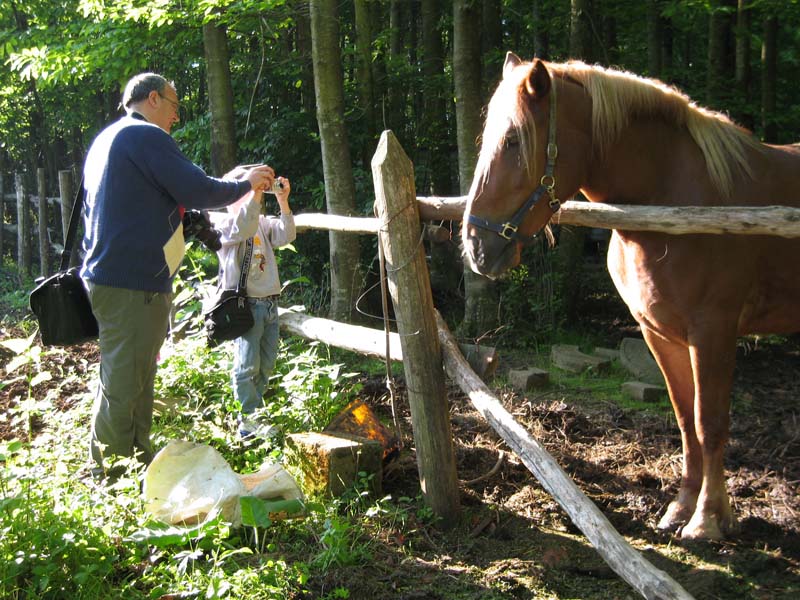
[(188, 482)]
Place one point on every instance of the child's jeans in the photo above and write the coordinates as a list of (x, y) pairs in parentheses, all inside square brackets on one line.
[(255, 353)]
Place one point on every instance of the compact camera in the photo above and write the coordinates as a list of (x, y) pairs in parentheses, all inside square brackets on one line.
[(277, 186)]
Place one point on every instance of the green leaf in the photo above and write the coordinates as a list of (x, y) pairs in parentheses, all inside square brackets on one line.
[(17, 345), (254, 512), (40, 377)]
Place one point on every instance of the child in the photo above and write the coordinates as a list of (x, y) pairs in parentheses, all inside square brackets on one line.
[(255, 352)]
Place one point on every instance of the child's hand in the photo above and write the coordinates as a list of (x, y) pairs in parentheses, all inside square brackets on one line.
[(282, 194)]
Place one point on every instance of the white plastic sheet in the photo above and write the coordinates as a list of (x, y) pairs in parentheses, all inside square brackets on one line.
[(188, 483)]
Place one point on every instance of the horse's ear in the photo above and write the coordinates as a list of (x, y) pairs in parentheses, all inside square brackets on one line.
[(538, 82), (512, 60)]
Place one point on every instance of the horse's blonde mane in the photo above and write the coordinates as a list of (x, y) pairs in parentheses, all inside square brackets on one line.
[(617, 98)]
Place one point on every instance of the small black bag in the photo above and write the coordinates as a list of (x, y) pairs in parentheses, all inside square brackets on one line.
[(60, 302), (231, 317)]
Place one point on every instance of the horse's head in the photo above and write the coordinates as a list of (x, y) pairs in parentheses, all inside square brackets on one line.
[(513, 193)]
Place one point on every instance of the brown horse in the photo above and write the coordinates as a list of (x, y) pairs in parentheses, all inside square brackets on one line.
[(554, 129)]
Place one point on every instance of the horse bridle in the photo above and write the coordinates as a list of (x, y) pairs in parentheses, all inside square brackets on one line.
[(547, 185)]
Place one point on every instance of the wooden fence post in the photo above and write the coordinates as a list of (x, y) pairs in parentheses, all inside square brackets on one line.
[(44, 239), (400, 235), (23, 226), (66, 193), (2, 216)]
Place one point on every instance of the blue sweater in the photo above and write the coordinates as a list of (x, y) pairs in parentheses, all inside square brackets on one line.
[(135, 177)]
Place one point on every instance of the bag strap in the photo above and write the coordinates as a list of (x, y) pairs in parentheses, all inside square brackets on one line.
[(248, 253), (74, 216)]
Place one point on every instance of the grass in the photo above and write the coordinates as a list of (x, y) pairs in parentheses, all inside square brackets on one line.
[(64, 536)]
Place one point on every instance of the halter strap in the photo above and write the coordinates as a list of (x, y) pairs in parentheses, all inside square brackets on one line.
[(547, 184)]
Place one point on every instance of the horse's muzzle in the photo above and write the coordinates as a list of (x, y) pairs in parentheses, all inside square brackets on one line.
[(489, 254)]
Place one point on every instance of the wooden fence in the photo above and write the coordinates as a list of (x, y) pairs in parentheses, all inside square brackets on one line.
[(422, 335), (17, 212)]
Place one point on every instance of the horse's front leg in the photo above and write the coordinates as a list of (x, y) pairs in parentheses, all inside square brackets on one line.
[(713, 353), (675, 362)]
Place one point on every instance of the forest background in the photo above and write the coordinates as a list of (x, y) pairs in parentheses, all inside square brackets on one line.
[(308, 87)]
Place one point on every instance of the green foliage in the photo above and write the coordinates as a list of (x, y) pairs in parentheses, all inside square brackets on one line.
[(63, 535)]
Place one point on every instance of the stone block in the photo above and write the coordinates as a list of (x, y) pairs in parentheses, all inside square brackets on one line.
[(482, 359), (635, 356), (328, 464), (644, 392), (525, 380), (607, 353), (569, 358)]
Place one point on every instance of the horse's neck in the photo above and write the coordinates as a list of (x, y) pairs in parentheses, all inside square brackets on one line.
[(650, 164)]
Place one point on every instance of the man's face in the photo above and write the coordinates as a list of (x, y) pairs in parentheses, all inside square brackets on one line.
[(166, 110)]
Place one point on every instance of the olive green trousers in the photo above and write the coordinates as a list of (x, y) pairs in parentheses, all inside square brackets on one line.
[(133, 325)]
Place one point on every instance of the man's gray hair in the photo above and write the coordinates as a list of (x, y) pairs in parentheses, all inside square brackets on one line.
[(140, 86)]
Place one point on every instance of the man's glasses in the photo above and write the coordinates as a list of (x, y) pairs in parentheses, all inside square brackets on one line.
[(175, 105)]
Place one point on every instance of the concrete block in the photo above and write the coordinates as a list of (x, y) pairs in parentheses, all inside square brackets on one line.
[(571, 359), (607, 353), (635, 356), (328, 464), (644, 392), (525, 380)]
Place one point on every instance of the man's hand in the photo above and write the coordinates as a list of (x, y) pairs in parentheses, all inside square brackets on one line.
[(259, 176)]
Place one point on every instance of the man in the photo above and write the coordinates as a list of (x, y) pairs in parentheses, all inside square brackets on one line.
[(137, 182)]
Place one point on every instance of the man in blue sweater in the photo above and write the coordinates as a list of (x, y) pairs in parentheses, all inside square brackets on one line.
[(137, 184)]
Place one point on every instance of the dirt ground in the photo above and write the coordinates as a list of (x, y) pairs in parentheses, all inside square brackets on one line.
[(512, 540)]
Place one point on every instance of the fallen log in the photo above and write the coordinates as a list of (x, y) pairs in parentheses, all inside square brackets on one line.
[(355, 338), (782, 221), (650, 582)]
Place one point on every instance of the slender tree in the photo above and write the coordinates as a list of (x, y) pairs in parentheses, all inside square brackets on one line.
[(220, 98), (743, 71), (769, 59), (435, 115), (340, 192), (364, 74), (480, 311), (720, 63)]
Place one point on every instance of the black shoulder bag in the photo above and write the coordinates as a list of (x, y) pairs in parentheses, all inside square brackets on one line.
[(60, 302), (230, 317)]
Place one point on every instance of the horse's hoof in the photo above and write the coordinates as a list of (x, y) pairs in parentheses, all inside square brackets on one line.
[(701, 528), (675, 517)]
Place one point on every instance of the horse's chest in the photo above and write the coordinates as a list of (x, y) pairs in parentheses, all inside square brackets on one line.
[(629, 272), (653, 280)]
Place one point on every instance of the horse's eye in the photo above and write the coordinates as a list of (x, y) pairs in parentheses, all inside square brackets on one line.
[(510, 142)]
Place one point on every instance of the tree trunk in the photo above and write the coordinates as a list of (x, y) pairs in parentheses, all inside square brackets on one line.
[(480, 312), (719, 59), (492, 49), (654, 39), (303, 41), (364, 75), (580, 29), (435, 113), (541, 38), (399, 18), (44, 239), (745, 114), (769, 70), (569, 254), (337, 168), (220, 99)]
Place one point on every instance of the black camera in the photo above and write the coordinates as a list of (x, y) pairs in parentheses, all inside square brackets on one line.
[(197, 225)]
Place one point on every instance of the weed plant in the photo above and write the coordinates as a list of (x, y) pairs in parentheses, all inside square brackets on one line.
[(64, 536)]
